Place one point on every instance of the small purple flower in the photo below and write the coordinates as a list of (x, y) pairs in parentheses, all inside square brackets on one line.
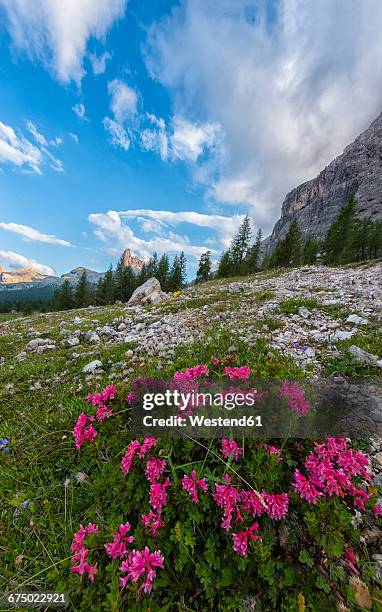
[(4, 445), (305, 347), (296, 345)]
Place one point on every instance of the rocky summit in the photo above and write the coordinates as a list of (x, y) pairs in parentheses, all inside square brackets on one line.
[(316, 203), (131, 261)]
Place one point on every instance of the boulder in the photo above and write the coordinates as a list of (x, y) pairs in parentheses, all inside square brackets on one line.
[(34, 344), (354, 318), (91, 337), (148, 293), (363, 356), (93, 365)]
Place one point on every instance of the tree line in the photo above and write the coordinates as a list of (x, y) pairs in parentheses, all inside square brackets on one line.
[(348, 240)]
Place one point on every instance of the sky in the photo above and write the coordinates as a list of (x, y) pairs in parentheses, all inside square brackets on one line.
[(156, 126)]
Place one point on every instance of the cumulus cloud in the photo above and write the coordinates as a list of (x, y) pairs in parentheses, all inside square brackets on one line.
[(110, 228), (117, 134), (99, 62), (80, 110), (56, 33), (189, 140), (290, 88), (33, 235), (15, 260), (124, 100)]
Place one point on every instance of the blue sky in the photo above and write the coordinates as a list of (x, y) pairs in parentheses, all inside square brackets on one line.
[(158, 125)]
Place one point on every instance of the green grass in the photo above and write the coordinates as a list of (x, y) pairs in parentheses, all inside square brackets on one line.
[(292, 306), (263, 296)]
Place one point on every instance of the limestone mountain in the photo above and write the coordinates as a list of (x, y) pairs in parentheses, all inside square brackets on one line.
[(130, 260), (23, 275), (316, 203)]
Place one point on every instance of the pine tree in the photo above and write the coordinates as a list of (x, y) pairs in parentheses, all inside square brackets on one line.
[(240, 246), (253, 254), (177, 275), (63, 297), (204, 269), (152, 266), (310, 250), (83, 292), (119, 281), (339, 244), (225, 265), (108, 287), (163, 272), (183, 270)]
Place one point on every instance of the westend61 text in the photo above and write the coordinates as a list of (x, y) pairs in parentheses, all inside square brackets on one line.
[(202, 421)]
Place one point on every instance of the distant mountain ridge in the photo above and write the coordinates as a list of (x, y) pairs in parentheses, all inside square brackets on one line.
[(25, 279), (316, 203)]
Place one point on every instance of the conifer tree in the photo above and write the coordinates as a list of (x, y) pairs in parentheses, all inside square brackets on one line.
[(240, 246), (83, 292), (204, 269), (253, 254), (225, 265), (310, 250), (163, 271), (339, 242)]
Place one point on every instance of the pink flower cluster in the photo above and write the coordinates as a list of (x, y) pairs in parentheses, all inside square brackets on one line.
[(242, 539), (117, 548), (296, 397), (101, 400), (274, 450), (238, 373), (80, 557), (136, 448), (191, 373), (84, 430), (191, 484), (141, 564), (229, 448), (331, 469)]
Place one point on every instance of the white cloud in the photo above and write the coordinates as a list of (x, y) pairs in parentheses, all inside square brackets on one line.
[(99, 62), (74, 137), (117, 134), (124, 100), (39, 138), (156, 141), (110, 228), (79, 109), (15, 260), (32, 234), (289, 92), (56, 32), (189, 140), (56, 142), (18, 151)]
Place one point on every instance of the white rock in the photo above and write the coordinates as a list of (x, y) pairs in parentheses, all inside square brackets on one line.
[(142, 295), (91, 337), (353, 318), (93, 365), (362, 355), (342, 335), (38, 342), (72, 341), (303, 312)]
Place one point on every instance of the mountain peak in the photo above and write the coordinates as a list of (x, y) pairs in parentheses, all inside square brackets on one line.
[(130, 260)]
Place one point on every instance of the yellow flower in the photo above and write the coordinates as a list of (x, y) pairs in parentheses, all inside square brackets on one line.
[(178, 532), (176, 294), (300, 602)]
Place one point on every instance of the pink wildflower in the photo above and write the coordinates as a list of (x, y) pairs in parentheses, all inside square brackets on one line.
[(83, 430), (191, 484), (192, 373), (228, 498), (241, 539), (273, 450), (154, 469), (117, 548), (377, 511), (296, 397), (100, 399), (305, 489), (277, 505), (128, 458), (351, 560), (252, 504), (152, 521), (141, 564), (158, 494), (215, 361), (81, 553), (241, 373), (146, 447), (230, 448)]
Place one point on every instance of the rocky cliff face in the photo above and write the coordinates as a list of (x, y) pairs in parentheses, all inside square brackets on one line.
[(130, 260), (23, 275), (315, 204)]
